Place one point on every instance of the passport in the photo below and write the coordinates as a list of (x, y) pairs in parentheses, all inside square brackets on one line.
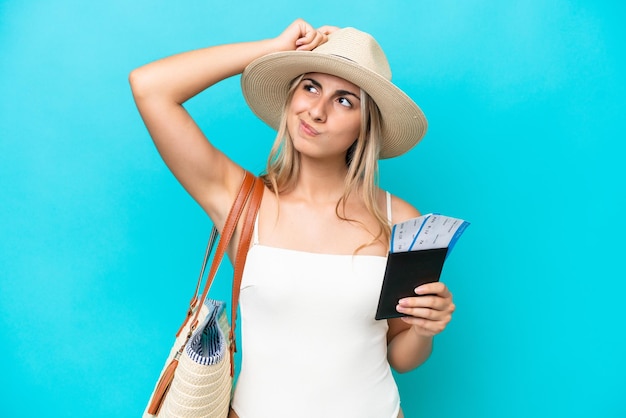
[(419, 248)]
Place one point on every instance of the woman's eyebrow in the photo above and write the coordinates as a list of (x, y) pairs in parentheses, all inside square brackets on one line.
[(314, 82), (347, 93), (337, 93)]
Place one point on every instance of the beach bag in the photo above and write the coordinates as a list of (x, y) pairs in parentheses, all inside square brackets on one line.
[(197, 378)]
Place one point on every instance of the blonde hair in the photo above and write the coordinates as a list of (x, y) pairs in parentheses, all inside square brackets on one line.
[(283, 164)]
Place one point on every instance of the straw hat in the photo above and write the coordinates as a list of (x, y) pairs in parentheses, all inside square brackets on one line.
[(352, 55)]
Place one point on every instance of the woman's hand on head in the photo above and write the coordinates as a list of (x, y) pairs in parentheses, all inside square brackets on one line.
[(301, 36), (430, 311)]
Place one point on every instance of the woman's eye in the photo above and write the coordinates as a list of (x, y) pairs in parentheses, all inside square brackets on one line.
[(344, 102), (310, 88)]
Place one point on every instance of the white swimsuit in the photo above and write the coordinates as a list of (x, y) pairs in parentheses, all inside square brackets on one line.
[(310, 344)]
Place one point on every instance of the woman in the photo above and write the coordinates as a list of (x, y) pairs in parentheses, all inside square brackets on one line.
[(315, 267)]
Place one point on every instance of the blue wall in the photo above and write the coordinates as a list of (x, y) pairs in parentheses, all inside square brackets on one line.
[(99, 245)]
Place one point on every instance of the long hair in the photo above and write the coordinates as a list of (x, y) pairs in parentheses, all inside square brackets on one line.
[(283, 165)]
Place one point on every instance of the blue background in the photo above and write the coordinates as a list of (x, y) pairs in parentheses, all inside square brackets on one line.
[(99, 245)]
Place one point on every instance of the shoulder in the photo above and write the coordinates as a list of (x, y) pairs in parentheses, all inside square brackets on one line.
[(401, 210)]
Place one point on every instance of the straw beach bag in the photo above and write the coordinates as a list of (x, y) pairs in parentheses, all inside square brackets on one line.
[(197, 378)]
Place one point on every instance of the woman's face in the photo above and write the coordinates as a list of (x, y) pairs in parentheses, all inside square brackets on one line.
[(324, 116)]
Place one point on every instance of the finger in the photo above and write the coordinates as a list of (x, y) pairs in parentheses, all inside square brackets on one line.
[(445, 312), (295, 34), (318, 39), (434, 288), (327, 30), (425, 313), (308, 34), (428, 301)]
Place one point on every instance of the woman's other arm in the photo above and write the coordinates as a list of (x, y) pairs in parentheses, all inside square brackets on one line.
[(410, 338)]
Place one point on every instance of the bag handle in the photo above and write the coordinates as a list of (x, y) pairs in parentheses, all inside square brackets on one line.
[(229, 227), (240, 262)]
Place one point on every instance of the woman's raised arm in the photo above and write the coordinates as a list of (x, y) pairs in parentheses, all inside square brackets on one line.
[(160, 89)]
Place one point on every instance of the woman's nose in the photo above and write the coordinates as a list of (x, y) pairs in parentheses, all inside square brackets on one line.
[(317, 111)]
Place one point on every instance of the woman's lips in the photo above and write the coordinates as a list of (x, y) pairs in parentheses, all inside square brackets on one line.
[(307, 129)]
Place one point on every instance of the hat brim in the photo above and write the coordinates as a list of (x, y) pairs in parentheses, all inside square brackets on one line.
[(265, 83)]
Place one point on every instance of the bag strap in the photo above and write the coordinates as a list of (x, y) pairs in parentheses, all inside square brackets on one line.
[(230, 225), (240, 262)]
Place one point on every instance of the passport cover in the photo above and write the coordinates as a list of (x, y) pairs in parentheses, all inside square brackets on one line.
[(404, 272)]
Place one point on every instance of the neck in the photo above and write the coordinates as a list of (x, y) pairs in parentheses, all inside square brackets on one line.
[(321, 181)]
